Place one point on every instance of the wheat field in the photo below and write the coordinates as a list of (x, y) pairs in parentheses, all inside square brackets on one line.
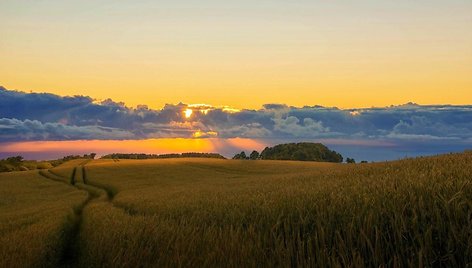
[(236, 213)]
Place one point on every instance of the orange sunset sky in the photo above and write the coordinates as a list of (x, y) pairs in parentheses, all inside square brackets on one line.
[(241, 54), (225, 76)]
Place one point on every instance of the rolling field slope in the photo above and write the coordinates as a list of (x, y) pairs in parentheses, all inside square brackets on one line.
[(211, 212), (36, 216)]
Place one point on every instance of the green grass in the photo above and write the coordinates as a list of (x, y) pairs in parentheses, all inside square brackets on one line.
[(211, 212)]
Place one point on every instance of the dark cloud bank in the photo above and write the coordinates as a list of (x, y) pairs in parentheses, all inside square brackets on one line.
[(371, 133)]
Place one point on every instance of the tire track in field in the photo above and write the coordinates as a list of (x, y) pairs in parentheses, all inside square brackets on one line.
[(110, 194), (72, 181), (72, 177), (70, 252), (49, 175), (84, 176)]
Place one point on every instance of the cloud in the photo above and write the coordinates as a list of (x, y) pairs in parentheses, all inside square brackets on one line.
[(31, 130), (273, 106), (44, 116), (291, 125), (422, 126), (251, 130)]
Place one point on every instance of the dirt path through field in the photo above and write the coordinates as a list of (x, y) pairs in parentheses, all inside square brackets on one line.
[(70, 253)]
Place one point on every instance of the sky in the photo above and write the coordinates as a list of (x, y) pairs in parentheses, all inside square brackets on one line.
[(374, 80), (45, 125), (243, 54)]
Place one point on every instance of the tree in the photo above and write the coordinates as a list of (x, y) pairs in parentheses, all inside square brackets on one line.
[(15, 159), (241, 155), (350, 160), (92, 155), (254, 155)]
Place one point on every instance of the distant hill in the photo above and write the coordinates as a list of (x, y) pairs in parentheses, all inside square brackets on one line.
[(159, 156), (303, 151), (17, 163)]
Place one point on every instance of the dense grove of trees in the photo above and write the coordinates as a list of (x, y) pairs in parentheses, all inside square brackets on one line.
[(159, 156), (304, 151)]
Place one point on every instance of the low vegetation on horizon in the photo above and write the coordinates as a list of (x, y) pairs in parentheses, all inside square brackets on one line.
[(303, 151), (214, 212), (17, 163)]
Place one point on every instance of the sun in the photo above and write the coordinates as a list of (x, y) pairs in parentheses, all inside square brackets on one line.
[(188, 113)]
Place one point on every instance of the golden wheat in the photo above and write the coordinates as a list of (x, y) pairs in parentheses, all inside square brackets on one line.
[(227, 213), (35, 216)]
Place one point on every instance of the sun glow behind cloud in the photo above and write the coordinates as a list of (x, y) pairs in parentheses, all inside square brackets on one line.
[(205, 108), (203, 134), (188, 113)]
